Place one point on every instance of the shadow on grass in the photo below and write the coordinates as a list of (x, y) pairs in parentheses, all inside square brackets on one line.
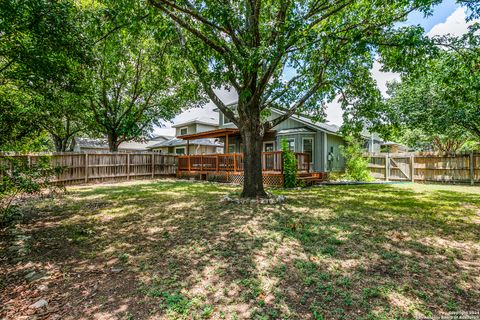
[(171, 250)]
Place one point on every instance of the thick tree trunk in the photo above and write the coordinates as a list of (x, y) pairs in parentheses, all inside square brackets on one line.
[(60, 143), (113, 142), (252, 157)]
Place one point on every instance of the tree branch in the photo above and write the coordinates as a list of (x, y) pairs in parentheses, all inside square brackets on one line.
[(296, 106), (209, 42)]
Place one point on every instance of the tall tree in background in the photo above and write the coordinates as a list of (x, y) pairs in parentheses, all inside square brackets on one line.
[(138, 80), (327, 47), (42, 47), (62, 114), (441, 97)]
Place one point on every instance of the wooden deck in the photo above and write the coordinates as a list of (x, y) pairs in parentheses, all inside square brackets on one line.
[(271, 162), (229, 167)]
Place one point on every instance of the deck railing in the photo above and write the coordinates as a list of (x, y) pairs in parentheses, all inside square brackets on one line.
[(233, 162)]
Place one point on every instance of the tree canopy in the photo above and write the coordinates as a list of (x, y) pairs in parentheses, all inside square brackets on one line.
[(441, 96), (327, 48)]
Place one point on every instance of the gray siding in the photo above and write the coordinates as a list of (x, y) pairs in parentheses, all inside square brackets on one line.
[(323, 143), (191, 129), (337, 162)]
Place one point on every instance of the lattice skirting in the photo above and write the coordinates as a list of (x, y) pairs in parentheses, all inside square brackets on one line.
[(236, 178)]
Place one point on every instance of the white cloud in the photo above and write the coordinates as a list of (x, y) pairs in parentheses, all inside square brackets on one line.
[(455, 25), (383, 77)]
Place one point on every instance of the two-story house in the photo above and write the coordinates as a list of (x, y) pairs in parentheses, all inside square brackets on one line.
[(317, 147), (198, 146)]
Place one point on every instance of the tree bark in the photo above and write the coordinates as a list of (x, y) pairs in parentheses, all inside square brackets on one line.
[(60, 143), (252, 138), (113, 142)]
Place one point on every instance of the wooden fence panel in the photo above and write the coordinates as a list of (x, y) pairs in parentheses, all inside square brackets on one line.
[(426, 167), (78, 168)]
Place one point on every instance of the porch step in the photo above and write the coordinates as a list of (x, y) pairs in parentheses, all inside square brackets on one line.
[(313, 178)]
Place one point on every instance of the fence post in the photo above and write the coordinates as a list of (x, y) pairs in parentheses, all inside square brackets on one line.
[(234, 162), (153, 165), (472, 172), (128, 166), (29, 161), (387, 167), (412, 167), (86, 167)]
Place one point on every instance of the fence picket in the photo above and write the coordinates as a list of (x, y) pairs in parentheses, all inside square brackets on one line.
[(426, 167), (79, 167)]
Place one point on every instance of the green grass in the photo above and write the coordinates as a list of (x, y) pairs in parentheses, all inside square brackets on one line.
[(337, 252)]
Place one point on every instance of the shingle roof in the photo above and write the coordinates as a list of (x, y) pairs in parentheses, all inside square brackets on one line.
[(92, 143)]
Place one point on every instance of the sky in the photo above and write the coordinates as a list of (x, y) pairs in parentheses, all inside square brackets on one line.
[(447, 18)]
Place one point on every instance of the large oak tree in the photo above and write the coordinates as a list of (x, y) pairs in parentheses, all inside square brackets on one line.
[(442, 95), (138, 78), (326, 46)]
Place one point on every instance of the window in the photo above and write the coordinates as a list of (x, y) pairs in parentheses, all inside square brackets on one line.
[(180, 151), (226, 120), (291, 144), (308, 148), (183, 131), (268, 146)]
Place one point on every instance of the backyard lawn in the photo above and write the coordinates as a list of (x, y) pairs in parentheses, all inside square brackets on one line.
[(169, 249)]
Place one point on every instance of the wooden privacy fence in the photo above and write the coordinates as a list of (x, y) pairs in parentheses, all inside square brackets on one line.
[(426, 167), (82, 167)]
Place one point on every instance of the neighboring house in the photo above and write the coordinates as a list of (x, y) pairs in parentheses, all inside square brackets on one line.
[(320, 140), (199, 146), (101, 145), (392, 147), (179, 146)]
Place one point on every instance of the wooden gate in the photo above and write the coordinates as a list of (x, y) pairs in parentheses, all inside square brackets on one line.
[(399, 168), (462, 167)]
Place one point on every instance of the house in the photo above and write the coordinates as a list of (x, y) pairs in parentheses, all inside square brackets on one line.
[(198, 146), (392, 147), (317, 146), (101, 145)]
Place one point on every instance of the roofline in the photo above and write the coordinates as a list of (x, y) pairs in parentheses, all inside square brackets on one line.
[(311, 125), (182, 124), (185, 143), (209, 134)]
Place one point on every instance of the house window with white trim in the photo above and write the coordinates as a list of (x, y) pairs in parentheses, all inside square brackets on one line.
[(183, 131), (180, 150), (307, 147), (291, 144)]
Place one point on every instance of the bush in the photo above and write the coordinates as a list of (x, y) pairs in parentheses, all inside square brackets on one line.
[(18, 177), (356, 165), (289, 166)]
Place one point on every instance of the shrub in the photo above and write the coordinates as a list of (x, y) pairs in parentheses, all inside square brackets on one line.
[(18, 177), (356, 165), (289, 166)]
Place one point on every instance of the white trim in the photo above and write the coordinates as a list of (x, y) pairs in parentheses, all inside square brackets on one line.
[(313, 147), (177, 148), (182, 129), (225, 118), (195, 121)]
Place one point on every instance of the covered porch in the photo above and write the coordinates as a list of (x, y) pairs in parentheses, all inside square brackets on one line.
[(233, 162)]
